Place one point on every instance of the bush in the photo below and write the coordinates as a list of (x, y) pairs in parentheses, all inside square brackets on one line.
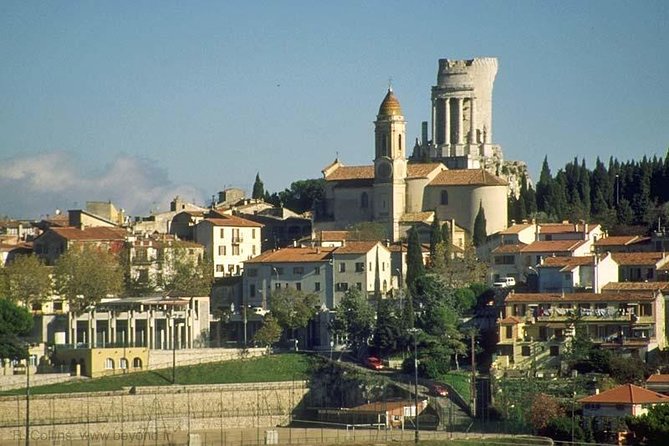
[(560, 429)]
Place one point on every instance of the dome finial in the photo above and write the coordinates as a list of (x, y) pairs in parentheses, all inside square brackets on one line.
[(390, 84)]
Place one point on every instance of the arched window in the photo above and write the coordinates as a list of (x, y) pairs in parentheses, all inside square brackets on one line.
[(137, 363), (364, 200), (399, 143), (384, 146), (123, 363), (109, 364), (444, 197)]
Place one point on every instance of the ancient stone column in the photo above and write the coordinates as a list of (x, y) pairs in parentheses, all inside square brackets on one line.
[(460, 139), (472, 122), (434, 123), (447, 121)]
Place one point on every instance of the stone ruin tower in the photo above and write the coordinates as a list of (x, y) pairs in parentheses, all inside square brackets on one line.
[(462, 117)]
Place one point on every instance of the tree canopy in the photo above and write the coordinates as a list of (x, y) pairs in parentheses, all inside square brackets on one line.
[(186, 275), (415, 266), (480, 232), (15, 322), (26, 280), (86, 274), (355, 320), (292, 308), (258, 188)]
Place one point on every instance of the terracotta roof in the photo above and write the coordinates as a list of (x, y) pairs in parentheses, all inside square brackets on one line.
[(567, 263), (417, 216), (579, 297), (510, 320), (553, 246), (94, 233), (231, 220), (638, 258), (293, 255), (658, 378), (636, 286), (621, 240), (509, 248), (422, 170), (626, 394), (351, 173), (515, 229), (356, 247), (465, 177), (404, 247), (383, 406), (564, 228)]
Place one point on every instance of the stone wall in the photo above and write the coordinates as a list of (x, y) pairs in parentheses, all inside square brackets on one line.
[(152, 409)]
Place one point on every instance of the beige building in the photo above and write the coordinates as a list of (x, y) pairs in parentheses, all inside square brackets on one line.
[(393, 191)]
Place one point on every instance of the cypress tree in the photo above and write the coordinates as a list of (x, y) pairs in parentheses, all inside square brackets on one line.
[(258, 188), (435, 236), (545, 188), (480, 232), (415, 267), (446, 241)]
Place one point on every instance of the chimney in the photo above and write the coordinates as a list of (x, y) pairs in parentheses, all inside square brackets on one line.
[(596, 391)]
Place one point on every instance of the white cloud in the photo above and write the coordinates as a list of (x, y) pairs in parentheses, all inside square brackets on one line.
[(36, 185)]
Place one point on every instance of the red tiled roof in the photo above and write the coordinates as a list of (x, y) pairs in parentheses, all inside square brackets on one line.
[(515, 229), (351, 173), (564, 228), (638, 258), (636, 286), (231, 220), (509, 248), (658, 378), (293, 255), (553, 246), (621, 240), (626, 394), (579, 297), (94, 233), (510, 320), (567, 263), (465, 177), (422, 170), (332, 236), (356, 247)]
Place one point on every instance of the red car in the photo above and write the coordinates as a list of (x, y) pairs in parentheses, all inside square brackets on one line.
[(439, 390), (374, 363)]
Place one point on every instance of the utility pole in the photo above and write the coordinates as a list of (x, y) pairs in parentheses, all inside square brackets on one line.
[(473, 354), (414, 332), (28, 398)]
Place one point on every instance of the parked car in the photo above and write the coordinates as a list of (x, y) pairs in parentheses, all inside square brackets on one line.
[(505, 282), (438, 390), (374, 363)]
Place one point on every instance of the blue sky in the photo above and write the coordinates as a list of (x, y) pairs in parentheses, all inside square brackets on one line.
[(138, 101)]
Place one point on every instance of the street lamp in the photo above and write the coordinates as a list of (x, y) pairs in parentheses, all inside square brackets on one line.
[(414, 331)]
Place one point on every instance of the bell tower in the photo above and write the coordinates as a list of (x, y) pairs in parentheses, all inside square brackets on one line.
[(390, 164)]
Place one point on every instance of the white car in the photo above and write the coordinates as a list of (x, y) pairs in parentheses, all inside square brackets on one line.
[(504, 282)]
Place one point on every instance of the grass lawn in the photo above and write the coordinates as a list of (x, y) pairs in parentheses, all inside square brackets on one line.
[(492, 441), (283, 367), (460, 382)]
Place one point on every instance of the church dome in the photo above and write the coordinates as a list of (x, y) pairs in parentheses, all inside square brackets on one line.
[(390, 105)]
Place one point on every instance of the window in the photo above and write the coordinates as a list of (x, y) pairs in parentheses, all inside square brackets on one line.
[(252, 272), (58, 306), (252, 290), (298, 286), (253, 250), (277, 285), (278, 271), (235, 250), (341, 286), (137, 363), (359, 267), (555, 350), (444, 197), (317, 271), (342, 267), (504, 260), (219, 268), (358, 286), (222, 232), (364, 200), (221, 250), (317, 286), (298, 270), (383, 266), (370, 266), (123, 363), (253, 233), (525, 350), (109, 364), (508, 332)]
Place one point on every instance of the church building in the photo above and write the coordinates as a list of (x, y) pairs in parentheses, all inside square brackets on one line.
[(398, 193)]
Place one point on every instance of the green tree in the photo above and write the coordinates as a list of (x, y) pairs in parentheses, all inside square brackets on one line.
[(415, 266), (15, 322), (355, 320), (186, 274), (447, 241), (25, 280), (84, 275), (367, 230), (293, 308), (480, 232), (258, 188), (270, 332), (651, 428), (544, 409), (435, 237), (387, 334), (301, 196)]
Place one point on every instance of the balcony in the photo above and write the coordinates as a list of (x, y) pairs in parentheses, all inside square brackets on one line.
[(583, 315), (236, 240)]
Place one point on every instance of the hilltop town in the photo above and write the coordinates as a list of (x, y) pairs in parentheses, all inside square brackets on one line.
[(436, 257)]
